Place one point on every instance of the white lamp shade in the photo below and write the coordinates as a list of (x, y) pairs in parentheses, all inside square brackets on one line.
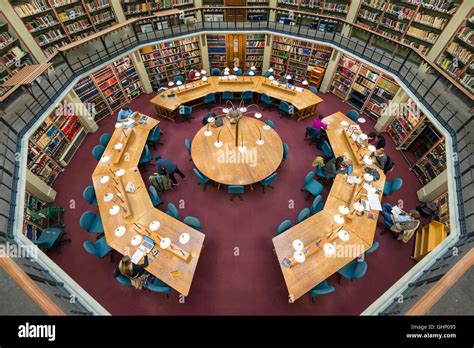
[(118, 146), (171, 83), (251, 73), (258, 115), (207, 133), (266, 127), (210, 119), (363, 137), (120, 172), (338, 219), (343, 210), (235, 68), (226, 69), (118, 125), (371, 148), (136, 240), (154, 226), (368, 177), (105, 179), (204, 78), (218, 144), (242, 148), (329, 249), (288, 77), (253, 68), (361, 120), (354, 136), (114, 210), (225, 110), (357, 180), (270, 70), (105, 159), (299, 256), (358, 206), (120, 231), (203, 72), (271, 78), (179, 83), (165, 243), (343, 235), (305, 82), (197, 74), (184, 238), (226, 73), (243, 109), (260, 142), (368, 161), (108, 197), (298, 245), (344, 123)]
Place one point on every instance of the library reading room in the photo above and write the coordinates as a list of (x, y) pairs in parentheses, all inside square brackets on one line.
[(236, 157)]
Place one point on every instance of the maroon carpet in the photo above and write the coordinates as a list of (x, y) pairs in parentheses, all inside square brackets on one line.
[(225, 283)]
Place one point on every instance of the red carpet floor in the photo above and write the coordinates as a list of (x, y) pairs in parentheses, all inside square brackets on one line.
[(225, 284)]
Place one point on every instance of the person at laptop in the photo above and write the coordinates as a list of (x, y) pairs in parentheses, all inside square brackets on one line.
[(336, 166), (124, 113), (377, 140), (135, 272), (167, 167)]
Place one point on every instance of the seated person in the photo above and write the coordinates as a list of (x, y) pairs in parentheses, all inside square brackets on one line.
[(381, 158), (394, 214), (319, 124), (124, 113), (136, 273), (377, 140), (389, 165), (336, 166)]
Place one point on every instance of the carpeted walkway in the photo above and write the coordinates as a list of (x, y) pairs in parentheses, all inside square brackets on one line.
[(238, 273)]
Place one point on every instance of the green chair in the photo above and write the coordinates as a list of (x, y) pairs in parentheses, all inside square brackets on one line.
[(321, 289), (145, 158), (235, 190), (353, 270), (154, 137), (375, 246), (320, 172), (185, 112), (303, 215), (284, 226), (270, 123), (98, 151), (247, 95), (285, 108), (172, 211), (99, 248), (313, 89), (268, 181), (285, 151), (155, 199), (91, 222), (193, 222), (187, 144), (311, 186), (317, 205), (89, 195), (51, 237), (216, 72), (209, 99), (353, 115), (327, 150), (121, 278), (179, 78), (238, 72), (104, 139), (227, 96), (160, 287), (266, 100), (267, 74), (392, 186), (202, 179)]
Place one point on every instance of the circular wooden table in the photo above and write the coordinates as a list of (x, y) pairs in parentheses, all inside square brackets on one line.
[(226, 164)]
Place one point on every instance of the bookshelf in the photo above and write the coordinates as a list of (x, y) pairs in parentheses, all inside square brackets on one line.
[(255, 14), (344, 76), (167, 60), (31, 229), (327, 7), (216, 48), (89, 94), (443, 209), (457, 57), (128, 77), (100, 13), (212, 12), (254, 49), (432, 162), (141, 8)]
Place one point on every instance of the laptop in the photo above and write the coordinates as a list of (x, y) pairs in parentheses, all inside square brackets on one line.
[(145, 247)]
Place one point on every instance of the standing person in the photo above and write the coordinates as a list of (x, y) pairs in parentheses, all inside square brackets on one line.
[(377, 140), (124, 113), (319, 123), (166, 166)]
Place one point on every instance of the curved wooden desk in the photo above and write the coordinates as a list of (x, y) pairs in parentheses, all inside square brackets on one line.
[(137, 211), (226, 165), (305, 102), (302, 277)]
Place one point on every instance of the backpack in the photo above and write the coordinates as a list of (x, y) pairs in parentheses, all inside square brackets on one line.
[(161, 182)]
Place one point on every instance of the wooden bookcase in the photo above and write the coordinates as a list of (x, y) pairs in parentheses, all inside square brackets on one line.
[(31, 229), (255, 46), (142, 8), (212, 10), (327, 7), (217, 51)]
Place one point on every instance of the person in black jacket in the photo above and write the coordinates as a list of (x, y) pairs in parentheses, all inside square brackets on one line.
[(130, 270), (378, 139)]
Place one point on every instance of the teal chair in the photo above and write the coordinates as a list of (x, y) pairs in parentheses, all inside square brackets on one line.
[(285, 151), (172, 211), (321, 289), (185, 112), (320, 172), (238, 72), (375, 246), (98, 151), (327, 150), (51, 237), (121, 278), (227, 96), (392, 186), (353, 270), (284, 226), (311, 186), (154, 137), (247, 95), (285, 108), (270, 123), (104, 139), (155, 199), (353, 115), (268, 181), (209, 99), (99, 248), (187, 144), (193, 222), (89, 195), (313, 89), (303, 215), (235, 190), (317, 205), (160, 287), (267, 74), (145, 158), (216, 72), (91, 222), (201, 178), (266, 100), (179, 78)]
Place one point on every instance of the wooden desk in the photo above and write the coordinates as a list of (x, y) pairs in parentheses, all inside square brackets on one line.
[(137, 212), (305, 102), (317, 267), (226, 165)]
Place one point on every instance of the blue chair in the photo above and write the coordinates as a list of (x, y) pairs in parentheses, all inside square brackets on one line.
[(104, 139), (392, 186), (155, 199), (98, 151), (89, 195), (375, 246), (303, 215), (387, 216), (185, 112), (91, 222), (145, 158), (51, 237), (327, 150), (209, 99), (235, 190), (154, 137), (99, 248), (323, 288), (216, 72), (265, 99), (270, 123), (238, 72), (172, 211), (246, 95), (320, 172), (187, 143), (285, 108), (159, 287), (353, 115), (201, 178), (317, 205), (284, 226), (285, 151), (193, 222), (313, 89), (268, 181), (311, 185), (353, 270), (121, 278), (227, 96), (179, 78), (267, 73)]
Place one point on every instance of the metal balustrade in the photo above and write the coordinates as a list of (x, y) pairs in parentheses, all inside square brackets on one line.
[(450, 108)]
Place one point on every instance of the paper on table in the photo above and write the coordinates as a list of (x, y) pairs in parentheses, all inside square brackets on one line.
[(352, 179), (374, 201), (137, 256)]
